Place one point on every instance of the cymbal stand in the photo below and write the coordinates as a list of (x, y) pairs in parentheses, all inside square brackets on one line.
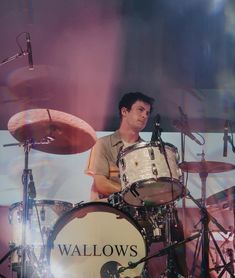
[(29, 193), (205, 228), (205, 233)]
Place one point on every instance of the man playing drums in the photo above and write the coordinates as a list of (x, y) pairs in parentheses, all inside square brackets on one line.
[(134, 109)]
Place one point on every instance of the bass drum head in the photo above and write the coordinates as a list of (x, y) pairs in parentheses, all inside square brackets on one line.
[(92, 239)]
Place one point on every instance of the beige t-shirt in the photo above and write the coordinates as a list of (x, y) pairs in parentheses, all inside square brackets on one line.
[(103, 160)]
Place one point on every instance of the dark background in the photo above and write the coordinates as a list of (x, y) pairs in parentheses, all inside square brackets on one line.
[(87, 54)]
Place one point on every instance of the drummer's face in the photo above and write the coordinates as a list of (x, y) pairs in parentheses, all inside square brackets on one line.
[(138, 115)]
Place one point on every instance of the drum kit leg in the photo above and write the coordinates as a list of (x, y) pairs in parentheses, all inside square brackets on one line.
[(204, 168)]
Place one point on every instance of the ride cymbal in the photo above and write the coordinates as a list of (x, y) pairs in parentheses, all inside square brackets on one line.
[(206, 167), (52, 131)]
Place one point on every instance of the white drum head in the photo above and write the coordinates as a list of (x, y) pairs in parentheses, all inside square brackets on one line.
[(149, 177), (89, 237)]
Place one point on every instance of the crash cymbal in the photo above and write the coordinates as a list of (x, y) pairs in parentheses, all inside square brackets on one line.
[(206, 167), (52, 131)]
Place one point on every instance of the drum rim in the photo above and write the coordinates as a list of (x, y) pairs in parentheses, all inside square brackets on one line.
[(141, 145), (163, 179), (60, 224), (42, 202)]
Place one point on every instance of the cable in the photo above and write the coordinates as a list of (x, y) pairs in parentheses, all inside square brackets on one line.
[(18, 43)]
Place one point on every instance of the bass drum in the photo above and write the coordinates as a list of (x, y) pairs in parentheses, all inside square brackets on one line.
[(95, 240)]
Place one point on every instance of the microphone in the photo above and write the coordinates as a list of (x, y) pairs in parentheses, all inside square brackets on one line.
[(29, 51), (225, 138), (157, 130), (157, 121), (184, 128)]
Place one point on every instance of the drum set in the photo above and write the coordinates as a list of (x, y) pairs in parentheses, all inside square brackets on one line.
[(53, 238)]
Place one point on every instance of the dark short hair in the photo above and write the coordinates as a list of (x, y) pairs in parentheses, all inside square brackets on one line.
[(130, 98)]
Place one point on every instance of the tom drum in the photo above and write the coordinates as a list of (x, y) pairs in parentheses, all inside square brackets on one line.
[(149, 174)]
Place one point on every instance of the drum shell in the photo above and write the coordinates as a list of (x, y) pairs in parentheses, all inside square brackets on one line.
[(48, 212), (146, 174), (92, 235), (151, 219)]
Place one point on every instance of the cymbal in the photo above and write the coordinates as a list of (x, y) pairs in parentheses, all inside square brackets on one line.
[(222, 198), (206, 167), (52, 131)]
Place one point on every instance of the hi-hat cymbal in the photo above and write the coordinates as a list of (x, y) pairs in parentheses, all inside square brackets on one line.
[(52, 131), (206, 167)]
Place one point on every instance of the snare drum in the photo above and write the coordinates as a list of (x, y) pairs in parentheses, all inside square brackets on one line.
[(149, 177), (92, 239)]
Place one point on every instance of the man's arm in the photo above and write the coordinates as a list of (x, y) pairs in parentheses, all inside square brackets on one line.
[(104, 171), (106, 186)]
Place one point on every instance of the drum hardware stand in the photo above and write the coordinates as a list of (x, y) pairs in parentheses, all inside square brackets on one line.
[(229, 265), (205, 233), (183, 118), (156, 137), (160, 253), (29, 193), (22, 52), (170, 271), (228, 138), (13, 249)]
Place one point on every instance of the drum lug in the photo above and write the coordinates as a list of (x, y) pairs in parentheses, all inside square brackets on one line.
[(154, 169), (151, 153), (124, 178), (123, 164)]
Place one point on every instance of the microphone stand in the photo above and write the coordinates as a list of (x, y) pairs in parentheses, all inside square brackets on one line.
[(182, 140), (171, 265), (14, 57), (156, 135), (230, 140), (161, 252), (17, 55)]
